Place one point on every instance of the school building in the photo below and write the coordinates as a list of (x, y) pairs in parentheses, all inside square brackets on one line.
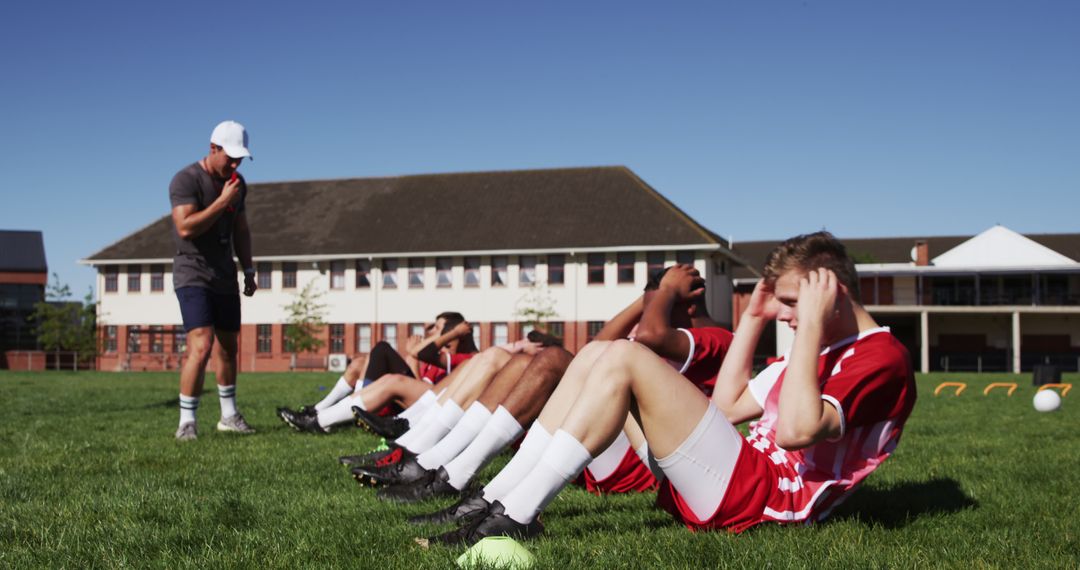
[(388, 254)]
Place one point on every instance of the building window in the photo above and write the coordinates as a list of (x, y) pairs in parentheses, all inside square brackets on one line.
[(416, 329), (684, 257), (416, 273), (596, 268), (157, 277), (625, 272), (337, 274), (112, 273), (556, 269), (134, 342), (527, 270), (286, 341), (476, 335), (500, 334), (389, 334), (499, 273), (134, 282), (157, 339), (556, 330), (110, 338), (389, 273), (264, 271), (264, 338), (288, 275), (337, 338), (363, 339), (179, 340), (472, 271), (654, 263), (524, 329), (594, 329), (363, 274), (444, 272)]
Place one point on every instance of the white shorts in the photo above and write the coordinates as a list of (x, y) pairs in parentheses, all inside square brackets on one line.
[(700, 469)]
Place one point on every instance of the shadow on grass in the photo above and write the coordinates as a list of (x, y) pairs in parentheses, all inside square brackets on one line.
[(899, 505)]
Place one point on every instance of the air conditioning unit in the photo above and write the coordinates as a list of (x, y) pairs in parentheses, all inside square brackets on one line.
[(337, 363)]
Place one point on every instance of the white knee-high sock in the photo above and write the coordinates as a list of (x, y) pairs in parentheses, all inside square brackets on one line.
[(419, 407), (445, 421), (497, 433), (563, 460), (459, 437), (527, 456), (188, 406), (421, 424), (227, 397), (339, 413), (339, 391), (608, 461)]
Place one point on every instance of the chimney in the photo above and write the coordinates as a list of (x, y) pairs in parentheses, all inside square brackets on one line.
[(921, 254)]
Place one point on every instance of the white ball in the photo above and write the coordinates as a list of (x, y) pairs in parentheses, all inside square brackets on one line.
[(1046, 401)]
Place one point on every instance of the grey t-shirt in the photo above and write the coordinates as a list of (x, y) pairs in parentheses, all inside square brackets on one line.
[(205, 260)]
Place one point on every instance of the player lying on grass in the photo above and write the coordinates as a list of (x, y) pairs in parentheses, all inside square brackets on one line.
[(828, 414), (697, 350), (395, 381)]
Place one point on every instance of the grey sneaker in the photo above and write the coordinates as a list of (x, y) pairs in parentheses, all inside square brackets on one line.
[(187, 432), (235, 424)]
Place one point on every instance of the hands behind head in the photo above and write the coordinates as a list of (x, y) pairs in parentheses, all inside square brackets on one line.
[(763, 305), (819, 297), (686, 281)]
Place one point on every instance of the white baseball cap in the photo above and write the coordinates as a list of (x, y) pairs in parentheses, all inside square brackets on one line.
[(232, 137)]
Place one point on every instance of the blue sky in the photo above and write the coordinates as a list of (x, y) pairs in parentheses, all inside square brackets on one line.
[(761, 119)]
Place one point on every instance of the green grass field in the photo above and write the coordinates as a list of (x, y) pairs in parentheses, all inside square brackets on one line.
[(91, 477)]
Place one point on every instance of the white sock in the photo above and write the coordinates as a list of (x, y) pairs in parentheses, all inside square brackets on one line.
[(608, 461), (520, 464), (459, 438), (418, 427), (227, 397), (339, 391), (339, 413), (563, 460), (500, 429), (447, 418), (418, 407), (188, 406)]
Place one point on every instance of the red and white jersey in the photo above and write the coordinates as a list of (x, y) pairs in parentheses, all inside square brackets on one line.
[(869, 380), (708, 346), (435, 374)]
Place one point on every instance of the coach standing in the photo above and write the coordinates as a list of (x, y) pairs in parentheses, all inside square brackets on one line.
[(209, 224)]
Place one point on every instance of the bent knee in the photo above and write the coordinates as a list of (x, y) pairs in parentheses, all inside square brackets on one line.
[(554, 357)]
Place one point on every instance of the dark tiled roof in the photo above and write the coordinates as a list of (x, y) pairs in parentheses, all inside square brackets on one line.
[(896, 249), (22, 251), (527, 209)]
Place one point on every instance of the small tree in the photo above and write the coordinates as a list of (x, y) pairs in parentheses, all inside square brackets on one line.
[(65, 325), (305, 321), (536, 306)]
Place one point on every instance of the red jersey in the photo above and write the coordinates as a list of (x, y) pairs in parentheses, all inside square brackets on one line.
[(869, 380), (435, 374), (708, 345)]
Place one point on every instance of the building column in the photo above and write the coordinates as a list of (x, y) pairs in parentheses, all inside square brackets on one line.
[(1016, 342), (924, 343)]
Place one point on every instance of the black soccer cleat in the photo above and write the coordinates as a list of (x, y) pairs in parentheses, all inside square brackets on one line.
[(406, 470), (392, 454), (431, 484), (302, 422), (303, 411), (387, 427), (493, 523), (471, 506)]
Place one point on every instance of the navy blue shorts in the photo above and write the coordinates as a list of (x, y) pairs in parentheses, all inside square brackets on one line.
[(201, 307)]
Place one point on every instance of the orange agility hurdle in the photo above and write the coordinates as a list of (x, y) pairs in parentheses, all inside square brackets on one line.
[(1010, 385), (1065, 387), (958, 385)]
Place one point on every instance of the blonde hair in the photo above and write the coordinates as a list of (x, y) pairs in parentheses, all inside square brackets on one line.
[(808, 252)]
